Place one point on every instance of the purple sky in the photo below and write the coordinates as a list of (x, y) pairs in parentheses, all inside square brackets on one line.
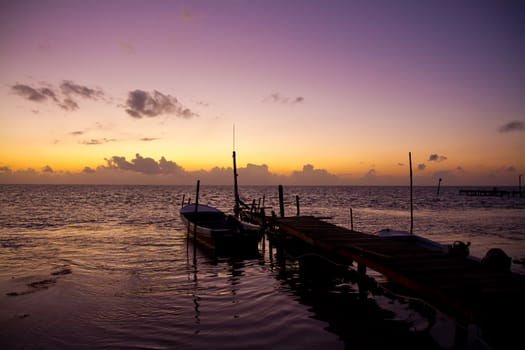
[(319, 91)]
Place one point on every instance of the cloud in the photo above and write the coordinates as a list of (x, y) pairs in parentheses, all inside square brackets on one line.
[(97, 141), (144, 165), (278, 98), (436, 158), (33, 94), (145, 170), (144, 104), (515, 125), (70, 88), (421, 166), (147, 139), (68, 104), (311, 176), (67, 89)]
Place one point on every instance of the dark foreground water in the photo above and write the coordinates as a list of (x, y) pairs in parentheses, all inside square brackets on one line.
[(110, 267)]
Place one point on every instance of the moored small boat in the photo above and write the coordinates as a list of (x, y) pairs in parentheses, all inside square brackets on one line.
[(217, 229), (458, 248)]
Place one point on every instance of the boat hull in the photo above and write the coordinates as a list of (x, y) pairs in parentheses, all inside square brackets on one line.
[(216, 229)]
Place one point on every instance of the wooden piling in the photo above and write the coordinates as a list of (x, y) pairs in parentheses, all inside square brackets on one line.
[(297, 205), (351, 220), (281, 201), (196, 210)]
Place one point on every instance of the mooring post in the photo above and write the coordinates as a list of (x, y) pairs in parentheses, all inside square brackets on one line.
[(196, 211), (281, 201), (297, 204), (439, 186), (182, 204), (351, 220)]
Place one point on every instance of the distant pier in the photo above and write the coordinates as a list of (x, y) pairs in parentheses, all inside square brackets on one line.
[(491, 193)]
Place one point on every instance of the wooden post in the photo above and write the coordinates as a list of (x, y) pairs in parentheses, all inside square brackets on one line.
[(281, 201), (351, 220), (439, 186), (196, 210), (182, 204), (411, 202), (297, 205)]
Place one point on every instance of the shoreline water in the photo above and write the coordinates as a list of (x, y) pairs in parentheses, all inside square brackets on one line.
[(111, 267)]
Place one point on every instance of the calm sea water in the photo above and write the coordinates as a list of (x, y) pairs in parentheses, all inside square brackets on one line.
[(111, 267)]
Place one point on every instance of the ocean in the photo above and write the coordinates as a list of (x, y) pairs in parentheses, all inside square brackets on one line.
[(111, 267)]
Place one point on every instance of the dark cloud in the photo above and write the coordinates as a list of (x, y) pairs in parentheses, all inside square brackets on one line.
[(47, 169), (33, 94), (421, 166), (77, 133), (370, 174), (515, 125), (278, 98), (68, 104), (436, 158), (5, 169), (88, 170), (70, 88), (147, 139), (144, 165), (144, 104), (311, 176), (510, 169), (97, 141)]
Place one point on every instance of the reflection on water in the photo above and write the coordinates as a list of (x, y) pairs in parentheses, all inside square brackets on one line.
[(134, 280)]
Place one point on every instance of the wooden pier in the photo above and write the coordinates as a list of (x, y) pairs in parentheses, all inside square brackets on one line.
[(491, 193), (465, 289)]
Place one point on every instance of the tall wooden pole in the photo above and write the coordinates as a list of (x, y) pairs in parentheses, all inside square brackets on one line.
[(411, 200), (235, 187), (439, 186)]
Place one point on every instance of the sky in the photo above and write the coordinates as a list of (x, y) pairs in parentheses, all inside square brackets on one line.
[(306, 92)]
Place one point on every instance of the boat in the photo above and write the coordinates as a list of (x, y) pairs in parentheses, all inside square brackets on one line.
[(458, 248), (219, 230)]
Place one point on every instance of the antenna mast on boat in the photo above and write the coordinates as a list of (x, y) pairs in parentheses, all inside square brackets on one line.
[(235, 186), (411, 203)]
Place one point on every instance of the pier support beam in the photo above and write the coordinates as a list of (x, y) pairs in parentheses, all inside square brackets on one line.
[(281, 201)]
